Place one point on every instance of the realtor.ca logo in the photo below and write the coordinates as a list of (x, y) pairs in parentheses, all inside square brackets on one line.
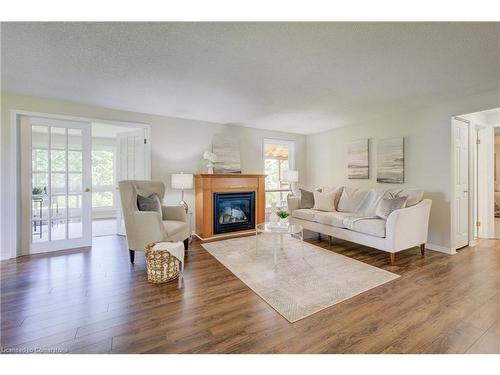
[(32, 350)]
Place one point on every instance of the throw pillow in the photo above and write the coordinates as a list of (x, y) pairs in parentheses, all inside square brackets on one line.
[(324, 201), (414, 195), (306, 199), (387, 205), (151, 203), (351, 199), (338, 193)]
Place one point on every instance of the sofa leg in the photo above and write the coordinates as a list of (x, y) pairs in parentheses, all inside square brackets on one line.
[(131, 253), (329, 241), (422, 250), (392, 258), (319, 236), (186, 244)]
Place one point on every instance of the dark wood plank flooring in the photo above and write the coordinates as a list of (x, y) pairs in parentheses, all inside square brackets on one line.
[(92, 300)]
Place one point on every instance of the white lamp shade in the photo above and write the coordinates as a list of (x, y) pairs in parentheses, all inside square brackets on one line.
[(291, 176), (182, 181)]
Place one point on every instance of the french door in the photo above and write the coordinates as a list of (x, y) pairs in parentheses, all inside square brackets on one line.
[(131, 165), (56, 181)]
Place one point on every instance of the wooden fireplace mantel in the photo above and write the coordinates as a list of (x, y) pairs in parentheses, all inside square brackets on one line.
[(208, 184)]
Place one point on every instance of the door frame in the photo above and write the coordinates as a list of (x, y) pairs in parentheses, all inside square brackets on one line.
[(471, 160), (14, 207)]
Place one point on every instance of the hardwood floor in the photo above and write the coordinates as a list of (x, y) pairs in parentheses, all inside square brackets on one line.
[(92, 300)]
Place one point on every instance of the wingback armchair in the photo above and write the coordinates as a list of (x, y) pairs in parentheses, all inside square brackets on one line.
[(144, 227)]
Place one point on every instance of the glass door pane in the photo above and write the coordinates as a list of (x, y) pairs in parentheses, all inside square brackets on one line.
[(60, 173)]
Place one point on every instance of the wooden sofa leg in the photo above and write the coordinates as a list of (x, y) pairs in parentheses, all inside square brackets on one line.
[(186, 244), (329, 240), (319, 236), (392, 258), (422, 250), (131, 253)]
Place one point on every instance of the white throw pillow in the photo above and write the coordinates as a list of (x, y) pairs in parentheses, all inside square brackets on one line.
[(324, 201), (351, 199), (336, 189)]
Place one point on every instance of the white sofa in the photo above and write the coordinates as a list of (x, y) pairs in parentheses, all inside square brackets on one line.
[(404, 228)]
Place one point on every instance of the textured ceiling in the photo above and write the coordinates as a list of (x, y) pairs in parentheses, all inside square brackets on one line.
[(298, 77)]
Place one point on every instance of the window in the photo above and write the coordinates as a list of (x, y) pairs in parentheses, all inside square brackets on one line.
[(278, 157), (103, 179)]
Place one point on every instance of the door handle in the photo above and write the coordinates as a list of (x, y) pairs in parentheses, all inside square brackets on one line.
[(87, 190)]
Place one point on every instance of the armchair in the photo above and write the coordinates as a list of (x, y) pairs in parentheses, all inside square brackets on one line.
[(144, 227)]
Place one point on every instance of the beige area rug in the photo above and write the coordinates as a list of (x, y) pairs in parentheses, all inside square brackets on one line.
[(297, 287)]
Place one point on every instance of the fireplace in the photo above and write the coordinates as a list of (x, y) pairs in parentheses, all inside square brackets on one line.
[(211, 187), (233, 211)]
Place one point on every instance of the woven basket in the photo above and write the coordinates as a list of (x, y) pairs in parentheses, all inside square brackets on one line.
[(161, 266)]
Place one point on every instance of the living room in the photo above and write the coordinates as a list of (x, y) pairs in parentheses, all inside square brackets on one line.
[(188, 187)]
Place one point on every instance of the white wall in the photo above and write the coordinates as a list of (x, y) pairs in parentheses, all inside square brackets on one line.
[(427, 134), (177, 144)]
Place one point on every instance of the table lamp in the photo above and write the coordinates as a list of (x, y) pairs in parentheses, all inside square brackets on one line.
[(292, 177), (182, 181)]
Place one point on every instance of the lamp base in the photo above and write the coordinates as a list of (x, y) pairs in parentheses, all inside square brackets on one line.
[(184, 204)]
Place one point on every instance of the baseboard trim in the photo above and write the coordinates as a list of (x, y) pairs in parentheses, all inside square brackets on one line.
[(441, 249)]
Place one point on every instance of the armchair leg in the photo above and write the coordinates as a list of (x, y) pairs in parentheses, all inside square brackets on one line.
[(186, 244), (131, 253), (422, 250), (392, 258)]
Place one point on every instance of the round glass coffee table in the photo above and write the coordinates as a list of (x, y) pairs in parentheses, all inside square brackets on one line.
[(278, 230)]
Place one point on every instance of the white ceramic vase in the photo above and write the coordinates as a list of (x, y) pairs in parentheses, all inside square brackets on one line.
[(273, 216)]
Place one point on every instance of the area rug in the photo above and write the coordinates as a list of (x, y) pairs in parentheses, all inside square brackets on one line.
[(297, 286)]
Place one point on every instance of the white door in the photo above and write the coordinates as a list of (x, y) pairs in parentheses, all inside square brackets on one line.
[(461, 182), (132, 164), (56, 181), (485, 183)]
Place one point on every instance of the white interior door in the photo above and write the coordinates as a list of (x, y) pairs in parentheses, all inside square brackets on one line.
[(132, 164), (485, 183), (55, 181), (461, 182)]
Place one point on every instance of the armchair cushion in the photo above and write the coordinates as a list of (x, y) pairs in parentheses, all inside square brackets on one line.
[(174, 213), (174, 227)]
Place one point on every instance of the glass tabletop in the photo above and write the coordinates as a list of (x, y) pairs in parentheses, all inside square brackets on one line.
[(286, 228)]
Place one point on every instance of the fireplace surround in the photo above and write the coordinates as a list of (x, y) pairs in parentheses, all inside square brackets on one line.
[(209, 224)]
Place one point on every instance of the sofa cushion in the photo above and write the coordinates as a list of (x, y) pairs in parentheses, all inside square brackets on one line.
[(335, 219), (173, 227), (304, 214), (324, 201), (373, 227), (351, 199), (414, 195), (306, 199)]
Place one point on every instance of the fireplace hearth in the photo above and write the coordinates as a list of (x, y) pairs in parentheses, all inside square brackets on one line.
[(233, 211)]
